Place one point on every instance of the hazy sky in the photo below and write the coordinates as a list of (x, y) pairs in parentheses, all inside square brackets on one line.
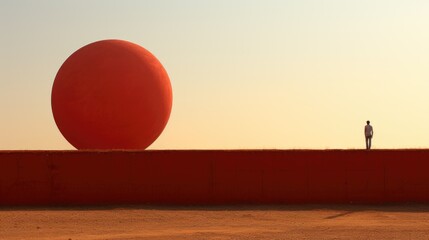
[(245, 73)]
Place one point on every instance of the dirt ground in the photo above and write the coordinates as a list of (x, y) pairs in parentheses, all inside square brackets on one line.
[(230, 222)]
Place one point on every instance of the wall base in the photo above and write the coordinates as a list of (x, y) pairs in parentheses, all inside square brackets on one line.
[(213, 177)]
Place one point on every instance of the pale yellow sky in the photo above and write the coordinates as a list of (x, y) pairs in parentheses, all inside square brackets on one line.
[(245, 74)]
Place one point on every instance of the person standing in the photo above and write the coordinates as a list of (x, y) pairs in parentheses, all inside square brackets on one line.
[(368, 135)]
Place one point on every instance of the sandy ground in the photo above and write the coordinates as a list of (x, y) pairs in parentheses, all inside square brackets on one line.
[(238, 222)]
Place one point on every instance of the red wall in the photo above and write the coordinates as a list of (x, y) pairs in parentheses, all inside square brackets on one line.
[(213, 177)]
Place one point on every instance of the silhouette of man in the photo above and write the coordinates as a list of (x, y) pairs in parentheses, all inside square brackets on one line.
[(368, 135)]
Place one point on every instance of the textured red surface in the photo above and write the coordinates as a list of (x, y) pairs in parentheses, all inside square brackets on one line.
[(111, 94), (213, 177)]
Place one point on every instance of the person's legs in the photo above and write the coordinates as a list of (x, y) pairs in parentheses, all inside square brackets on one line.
[(366, 142), (369, 145)]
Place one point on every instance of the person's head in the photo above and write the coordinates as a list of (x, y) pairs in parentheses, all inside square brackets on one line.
[(367, 122)]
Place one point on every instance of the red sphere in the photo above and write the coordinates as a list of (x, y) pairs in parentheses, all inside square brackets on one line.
[(111, 94)]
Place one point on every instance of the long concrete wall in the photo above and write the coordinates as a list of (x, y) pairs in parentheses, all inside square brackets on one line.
[(213, 177)]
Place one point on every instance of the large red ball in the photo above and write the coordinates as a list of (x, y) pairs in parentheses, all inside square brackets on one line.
[(111, 94)]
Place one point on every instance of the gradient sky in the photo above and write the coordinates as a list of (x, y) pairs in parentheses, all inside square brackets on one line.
[(281, 74)]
